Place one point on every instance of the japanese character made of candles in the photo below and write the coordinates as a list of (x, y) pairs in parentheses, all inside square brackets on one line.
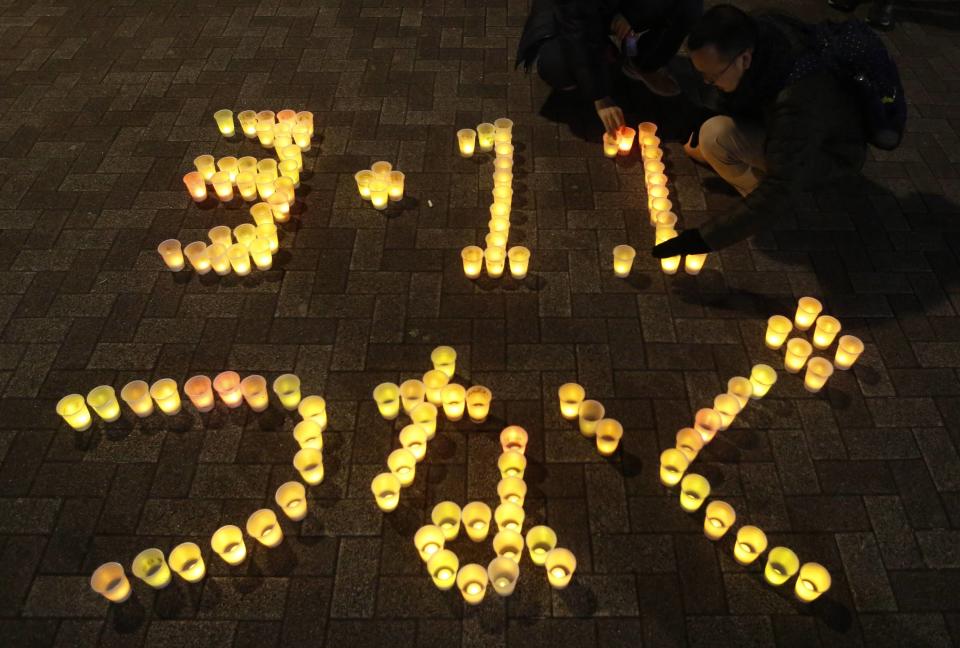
[(109, 581), (798, 350), (472, 583), (291, 497), (514, 437), (741, 389), (206, 166), (693, 263), (727, 406), (812, 581), (403, 464), (199, 389), (478, 400), (314, 408), (386, 491), (778, 328), (509, 517), (625, 140), (476, 520), (751, 542), (694, 489), (782, 564), (414, 439), (512, 489), (519, 257), (196, 254), (287, 389), (560, 564), (707, 423), (673, 463), (425, 415), (263, 526), (508, 544), (434, 381), (186, 560), (503, 574), (472, 257), (103, 401), (150, 566), (808, 308), (719, 517), (762, 378), (442, 568), (239, 259), (227, 542), (590, 413), (495, 261), (309, 463), (608, 434), (541, 540), (571, 395), (196, 186), (165, 394), (227, 386), (819, 371), (689, 443), (485, 136), (412, 393), (308, 435), (224, 119), (611, 144), (623, 256), (511, 464), (467, 140), (428, 540), (172, 254), (387, 397), (454, 401), (446, 515), (825, 331), (136, 394), (849, 349), (444, 358)]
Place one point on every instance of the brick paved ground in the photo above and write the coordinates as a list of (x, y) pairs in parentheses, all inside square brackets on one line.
[(104, 106)]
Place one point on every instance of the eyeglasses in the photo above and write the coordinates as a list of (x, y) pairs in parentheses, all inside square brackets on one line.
[(713, 80)]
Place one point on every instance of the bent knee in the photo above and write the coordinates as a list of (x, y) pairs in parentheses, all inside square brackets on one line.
[(713, 132)]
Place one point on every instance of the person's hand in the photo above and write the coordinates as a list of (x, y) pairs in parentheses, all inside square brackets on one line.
[(610, 114), (687, 242), (620, 27), (693, 151)]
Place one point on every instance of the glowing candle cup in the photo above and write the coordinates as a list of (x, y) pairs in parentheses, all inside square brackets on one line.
[(509, 517), (308, 435), (611, 144), (727, 406), (625, 139), (825, 331), (136, 394), (478, 400), (387, 397), (424, 416), (485, 136), (782, 564), (287, 389), (227, 386), (309, 463), (172, 254), (778, 328), (196, 253), (719, 518), (446, 515), (849, 349), (291, 497), (222, 185), (103, 400), (467, 139), (239, 259), (403, 464), (248, 123), (412, 393), (476, 520), (560, 564), (428, 540), (808, 309), (263, 526), (751, 542), (206, 166), (199, 389), (514, 438), (379, 194), (224, 119), (819, 371), (227, 542), (694, 490), (541, 540), (472, 257), (395, 188), (669, 265), (762, 378), (812, 581), (165, 394), (313, 408), (673, 463), (442, 568), (414, 439), (444, 359), (512, 489), (454, 401), (186, 560), (707, 422), (519, 258), (495, 261), (508, 544), (434, 381), (590, 413), (693, 263), (386, 491), (623, 256), (503, 574), (511, 464), (690, 443), (798, 350), (254, 390), (151, 567), (608, 433), (571, 396), (472, 583), (196, 186), (741, 389), (109, 581)]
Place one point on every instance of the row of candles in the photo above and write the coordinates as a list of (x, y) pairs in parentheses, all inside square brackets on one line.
[(186, 559), (274, 130), (380, 184), (252, 178), (590, 415)]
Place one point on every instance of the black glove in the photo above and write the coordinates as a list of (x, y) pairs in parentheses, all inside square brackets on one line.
[(687, 242)]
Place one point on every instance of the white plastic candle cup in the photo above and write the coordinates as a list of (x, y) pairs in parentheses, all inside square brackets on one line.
[(103, 401), (849, 349), (570, 395), (509, 517), (403, 464), (514, 437), (454, 401), (495, 261), (512, 489), (819, 371), (313, 408), (623, 256), (560, 564), (472, 257), (196, 186), (590, 413), (151, 567), (798, 350), (73, 409), (395, 189), (291, 497), (740, 388), (608, 434), (363, 179), (485, 134), (719, 517), (693, 263), (707, 422), (541, 540), (308, 435), (260, 253), (443, 567), (309, 463), (762, 378), (254, 390), (386, 491), (751, 542), (166, 395), (511, 464), (136, 394), (694, 490), (673, 464), (111, 582), (472, 582), (475, 518), (611, 144), (412, 393), (186, 560), (519, 258), (248, 123), (287, 389), (199, 389), (414, 438), (196, 253), (387, 397), (466, 139), (263, 526), (812, 581), (428, 540), (825, 331), (206, 166), (782, 564), (227, 542), (227, 386), (379, 194), (778, 328), (222, 185), (224, 119), (727, 406), (239, 259), (446, 515), (808, 308), (444, 358), (508, 544), (503, 574), (172, 254), (477, 400)]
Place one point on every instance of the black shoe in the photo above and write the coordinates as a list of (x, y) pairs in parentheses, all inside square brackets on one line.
[(843, 5), (881, 15)]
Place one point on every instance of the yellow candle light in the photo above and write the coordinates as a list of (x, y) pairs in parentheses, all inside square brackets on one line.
[(308, 434), (263, 526), (511, 464), (669, 265), (762, 378), (741, 389), (719, 518), (751, 542), (227, 542), (662, 234), (812, 581), (653, 166), (571, 396), (623, 256), (657, 192), (503, 164), (819, 371), (387, 397), (309, 463), (254, 390), (314, 408), (782, 564), (778, 328), (305, 117), (496, 239), (826, 330), (519, 258), (261, 255), (434, 381), (444, 358), (513, 437), (266, 186), (196, 185), (248, 123), (227, 386), (504, 149), (454, 401), (247, 164), (659, 204), (287, 115), (503, 574), (694, 490), (172, 254), (541, 540), (798, 350), (109, 581), (485, 133), (414, 439), (268, 166), (673, 463), (291, 497), (381, 170), (503, 179), (222, 185), (103, 400), (560, 564), (292, 152), (653, 153), (224, 119), (707, 423), (386, 491), (289, 169), (649, 140), (165, 394), (136, 394), (442, 568), (196, 254), (287, 389), (476, 520), (499, 225), (665, 220), (509, 517), (280, 207), (656, 180), (265, 134), (151, 567), (727, 406), (186, 560), (395, 189), (478, 400), (495, 261), (206, 166), (647, 128), (412, 393), (609, 432), (512, 489), (74, 411), (626, 139), (611, 144), (378, 194), (301, 136), (693, 263), (508, 544), (690, 443), (466, 139), (472, 583), (590, 413), (247, 186), (199, 389), (472, 257), (503, 128), (428, 540), (446, 515), (808, 309), (425, 416), (228, 165), (403, 464), (268, 232), (849, 349)]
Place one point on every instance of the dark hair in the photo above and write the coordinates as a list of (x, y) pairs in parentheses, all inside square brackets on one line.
[(729, 29)]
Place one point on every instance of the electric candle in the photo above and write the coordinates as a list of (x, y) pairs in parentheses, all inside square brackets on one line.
[(541, 540), (414, 439), (165, 395), (503, 179), (499, 211), (476, 520), (74, 411), (227, 386), (248, 122), (434, 381), (611, 144), (263, 526), (718, 520), (658, 192), (689, 442), (663, 220), (268, 232), (727, 406), (504, 149), (626, 135), (442, 568), (172, 254), (308, 434), (782, 564), (291, 497), (669, 265), (309, 463), (560, 564), (673, 463), (280, 207), (653, 154), (301, 136), (260, 253), (819, 371), (247, 186), (499, 225), (305, 117), (227, 542), (254, 390), (228, 165), (378, 194), (623, 256), (762, 378), (495, 261), (136, 394), (694, 489), (428, 540), (403, 464), (693, 263), (503, 574), (571, 396), (849, 349), (109, 581), (503, 128), (268, 166), (503, 164), (509, 517), (826, 330), (741, 389), (206, 166), (386, 491), (314, 408), (513, 437), (444, 359), (649, 140), (387, 397), (751, 542), (224, 119), (219, 260), (186, 561), (808, 309), (813, 580), (196, 186), (707, 423), (239, 259), (265, 186), (591, 412), (478, 400), (511, 464), (446, 515), (199, 389), (287, 389), (778, 328), (519, 258), (508, 544), (472, 582), (288, 169), (466, 138), (454, 401), (798, 350), (609, 432), (381, 170), (395, 190), (647, 128), (150, 566), (103, 400), (222, 185), (265, 134), (512, 489), (656, 180), (653, 166), (425, 415), (485, 133), (196, 254)]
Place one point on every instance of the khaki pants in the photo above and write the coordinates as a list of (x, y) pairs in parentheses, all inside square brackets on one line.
[(735, 151)]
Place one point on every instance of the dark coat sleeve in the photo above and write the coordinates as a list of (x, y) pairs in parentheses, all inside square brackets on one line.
[(583, 28)]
